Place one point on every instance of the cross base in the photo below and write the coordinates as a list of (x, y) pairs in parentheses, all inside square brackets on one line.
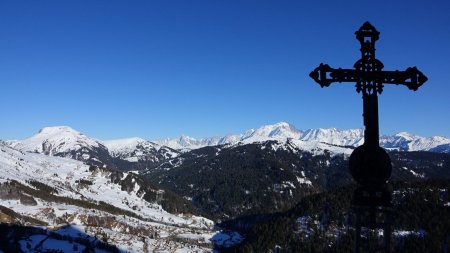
[(373, 212)]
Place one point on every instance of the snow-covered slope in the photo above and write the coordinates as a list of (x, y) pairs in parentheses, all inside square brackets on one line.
[(71, 178), (57, 191)]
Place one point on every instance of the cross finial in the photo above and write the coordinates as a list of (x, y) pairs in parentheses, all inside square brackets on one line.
[(367, 33)]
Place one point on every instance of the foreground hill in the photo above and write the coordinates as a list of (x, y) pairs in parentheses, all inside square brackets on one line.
[(119, 208)]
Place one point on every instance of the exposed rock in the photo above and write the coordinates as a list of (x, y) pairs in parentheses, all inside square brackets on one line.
[(9, 192)]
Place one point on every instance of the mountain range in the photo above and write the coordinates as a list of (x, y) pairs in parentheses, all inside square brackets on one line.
[(67, 142), (282, 131)]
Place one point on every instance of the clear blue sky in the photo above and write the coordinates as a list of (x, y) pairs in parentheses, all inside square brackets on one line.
[(159, 69)]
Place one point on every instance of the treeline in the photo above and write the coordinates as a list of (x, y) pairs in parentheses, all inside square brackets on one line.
[(46, 193)]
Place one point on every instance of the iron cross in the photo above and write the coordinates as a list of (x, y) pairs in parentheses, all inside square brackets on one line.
[(369, 164)]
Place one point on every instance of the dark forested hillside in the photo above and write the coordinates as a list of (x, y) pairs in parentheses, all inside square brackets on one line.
[(229, 181), (226, 182), (324, 222)]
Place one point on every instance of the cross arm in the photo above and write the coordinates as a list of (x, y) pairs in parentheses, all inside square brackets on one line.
[(411, 77), (325, 75)]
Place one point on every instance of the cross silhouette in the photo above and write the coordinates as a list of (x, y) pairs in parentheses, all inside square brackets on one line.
[(369, 164)]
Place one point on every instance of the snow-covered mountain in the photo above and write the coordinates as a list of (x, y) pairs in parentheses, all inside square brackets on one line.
[(57, 140), (283, 131), (352, 137), (64, 141), (279, 131), (408, 142), (187, 143), (137, 149), (36, 189)]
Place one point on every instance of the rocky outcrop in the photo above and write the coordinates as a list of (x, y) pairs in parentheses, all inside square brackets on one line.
[(10, 192)]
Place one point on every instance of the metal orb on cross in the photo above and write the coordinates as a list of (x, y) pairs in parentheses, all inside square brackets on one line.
[(369, 164)]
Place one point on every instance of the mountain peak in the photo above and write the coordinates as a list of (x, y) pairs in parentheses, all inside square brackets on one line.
[(405, 135), (184, 137), (283, 124), (57, 129), (280, 130)]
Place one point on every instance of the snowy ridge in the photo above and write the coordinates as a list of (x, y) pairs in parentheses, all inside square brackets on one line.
[(352, 137), (408, 142), (186, 143), (279, 131), (119, 146)]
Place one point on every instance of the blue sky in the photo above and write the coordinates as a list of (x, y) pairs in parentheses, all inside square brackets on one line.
[(158, 69)]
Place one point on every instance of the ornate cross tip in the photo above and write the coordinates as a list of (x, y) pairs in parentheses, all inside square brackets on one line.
[(367, 33), (414, 78), (319, 75)]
